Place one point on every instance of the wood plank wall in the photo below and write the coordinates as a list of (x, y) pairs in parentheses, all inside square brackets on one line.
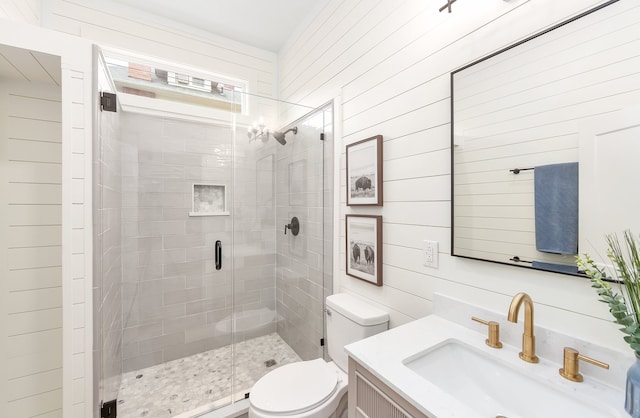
[(389, 63), (31, 322), (28, 11), (120, 27)]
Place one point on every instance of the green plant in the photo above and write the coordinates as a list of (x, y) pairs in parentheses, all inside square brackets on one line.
[(625, 305)]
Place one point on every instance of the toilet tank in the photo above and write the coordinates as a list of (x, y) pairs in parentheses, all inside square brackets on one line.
[(350, 319)]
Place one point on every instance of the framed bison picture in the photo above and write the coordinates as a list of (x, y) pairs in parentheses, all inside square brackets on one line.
[(364, 172), (364, 248)]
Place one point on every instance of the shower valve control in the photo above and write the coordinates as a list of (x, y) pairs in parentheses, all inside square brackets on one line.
[(294, 227)]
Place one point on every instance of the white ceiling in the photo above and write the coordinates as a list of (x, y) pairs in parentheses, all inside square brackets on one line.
[(25, 65), (265, 24)]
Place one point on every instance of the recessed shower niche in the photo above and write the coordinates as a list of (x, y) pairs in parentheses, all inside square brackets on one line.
[(179, 194), (209, 200)]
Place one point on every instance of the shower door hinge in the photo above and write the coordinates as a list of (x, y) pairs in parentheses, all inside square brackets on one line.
[(109, 409), (321, 342), (321, 136), (108, 101)]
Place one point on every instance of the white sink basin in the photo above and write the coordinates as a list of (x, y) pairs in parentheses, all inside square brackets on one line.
[(492, 388)]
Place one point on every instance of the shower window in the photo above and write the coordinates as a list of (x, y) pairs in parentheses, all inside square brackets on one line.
[(143, 77)]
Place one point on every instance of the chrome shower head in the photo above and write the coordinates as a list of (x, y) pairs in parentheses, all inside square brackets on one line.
[(279, 136)]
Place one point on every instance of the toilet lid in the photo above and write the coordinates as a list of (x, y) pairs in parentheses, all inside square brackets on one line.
[(296, 387)]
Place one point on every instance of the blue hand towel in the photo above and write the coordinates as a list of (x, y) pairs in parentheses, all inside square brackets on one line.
[(556, 208), (562, 268)]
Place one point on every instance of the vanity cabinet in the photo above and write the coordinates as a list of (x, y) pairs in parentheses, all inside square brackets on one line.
[(370, 398)]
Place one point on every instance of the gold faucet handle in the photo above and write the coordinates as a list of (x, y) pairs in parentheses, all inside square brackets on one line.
[(571, 366), (494, 332)]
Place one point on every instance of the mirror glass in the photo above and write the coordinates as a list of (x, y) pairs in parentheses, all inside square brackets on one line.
[(519, 117)]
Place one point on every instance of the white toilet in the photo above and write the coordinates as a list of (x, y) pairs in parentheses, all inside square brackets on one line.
[(315, 388)]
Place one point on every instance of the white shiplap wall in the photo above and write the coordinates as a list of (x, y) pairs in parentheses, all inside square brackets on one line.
[(389, 61), (31, 322), (117, 26), (77, 234), (75, 100), (27, 11)]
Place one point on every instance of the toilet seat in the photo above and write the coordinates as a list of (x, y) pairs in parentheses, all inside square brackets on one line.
[(295, 388)]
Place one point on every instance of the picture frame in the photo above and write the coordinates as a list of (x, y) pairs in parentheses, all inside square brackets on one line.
[(209, 199), (364, 247), (364, 172)]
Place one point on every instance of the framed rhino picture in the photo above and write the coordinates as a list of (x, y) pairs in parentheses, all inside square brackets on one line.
[(364, 248), (364, 172)]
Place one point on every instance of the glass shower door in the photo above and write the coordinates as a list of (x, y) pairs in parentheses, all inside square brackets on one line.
[(177, 180), (107, 270), (176, 204), (278, 277), (300, 268)]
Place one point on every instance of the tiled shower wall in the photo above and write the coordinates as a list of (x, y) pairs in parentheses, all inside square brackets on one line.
[(305, 263), (254, 238), (173, 298)]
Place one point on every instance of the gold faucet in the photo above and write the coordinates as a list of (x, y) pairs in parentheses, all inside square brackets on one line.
[(528, 352)]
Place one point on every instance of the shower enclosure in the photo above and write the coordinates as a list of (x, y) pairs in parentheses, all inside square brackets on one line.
[(199, 286)]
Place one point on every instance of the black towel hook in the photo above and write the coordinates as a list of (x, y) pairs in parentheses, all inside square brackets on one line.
[(518, 170), (517, 259)]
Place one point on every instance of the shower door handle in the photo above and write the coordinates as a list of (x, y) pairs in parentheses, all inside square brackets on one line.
[(218, 255)]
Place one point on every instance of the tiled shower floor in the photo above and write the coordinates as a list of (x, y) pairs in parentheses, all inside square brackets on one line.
[(180, 386)]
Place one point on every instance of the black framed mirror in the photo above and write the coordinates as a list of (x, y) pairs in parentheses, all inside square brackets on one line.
[(518, 119)]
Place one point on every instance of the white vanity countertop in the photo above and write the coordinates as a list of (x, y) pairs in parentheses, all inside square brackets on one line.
[(383, 355)]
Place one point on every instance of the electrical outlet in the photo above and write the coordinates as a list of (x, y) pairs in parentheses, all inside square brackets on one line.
[(430, 253)]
